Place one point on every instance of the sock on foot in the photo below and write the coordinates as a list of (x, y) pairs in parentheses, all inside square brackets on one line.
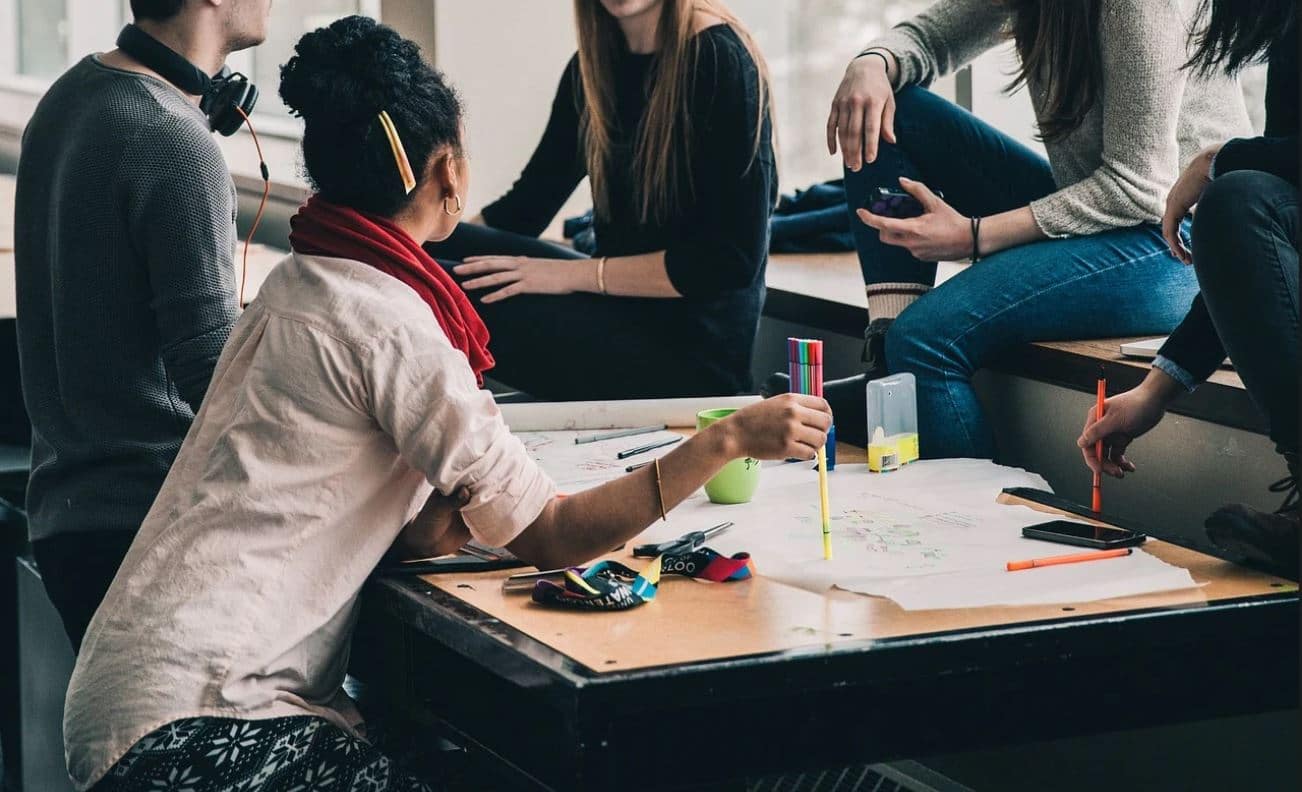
[(888, 300)]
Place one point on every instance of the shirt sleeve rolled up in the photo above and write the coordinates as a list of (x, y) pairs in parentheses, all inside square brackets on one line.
[(425, 397)]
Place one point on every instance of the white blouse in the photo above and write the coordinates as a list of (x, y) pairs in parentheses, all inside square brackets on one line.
[(337, 407)]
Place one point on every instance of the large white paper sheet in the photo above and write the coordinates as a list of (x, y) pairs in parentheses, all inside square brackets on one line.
[(550, 416), (578, 467), (1140, 573), (930, 535)]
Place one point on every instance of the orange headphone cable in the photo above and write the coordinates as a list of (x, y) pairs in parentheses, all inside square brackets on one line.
[(266, 191)]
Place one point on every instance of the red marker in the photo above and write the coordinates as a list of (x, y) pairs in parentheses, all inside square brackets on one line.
[(1101, 395)]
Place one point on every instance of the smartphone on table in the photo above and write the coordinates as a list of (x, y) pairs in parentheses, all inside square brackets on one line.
[(1101, 537), (890, 202)]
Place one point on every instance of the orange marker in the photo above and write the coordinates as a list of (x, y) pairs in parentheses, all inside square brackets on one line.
[(1101, 394), (1074, 558)]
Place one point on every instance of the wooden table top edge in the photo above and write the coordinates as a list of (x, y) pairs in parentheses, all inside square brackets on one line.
[(575, 675), (1272, 592)]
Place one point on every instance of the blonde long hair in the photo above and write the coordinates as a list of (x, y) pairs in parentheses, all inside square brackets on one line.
[(662, 155)]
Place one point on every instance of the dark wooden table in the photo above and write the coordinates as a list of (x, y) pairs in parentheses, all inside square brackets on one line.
[(716, 682)]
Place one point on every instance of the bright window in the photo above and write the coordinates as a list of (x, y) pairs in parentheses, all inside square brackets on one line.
[(46, 36), (290, 19), (40, 39)]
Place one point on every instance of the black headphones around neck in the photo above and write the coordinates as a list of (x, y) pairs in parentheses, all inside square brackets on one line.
[(222, 97)]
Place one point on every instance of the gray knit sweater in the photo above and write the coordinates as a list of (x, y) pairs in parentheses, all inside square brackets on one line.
[(124, 237), (1151, 118)]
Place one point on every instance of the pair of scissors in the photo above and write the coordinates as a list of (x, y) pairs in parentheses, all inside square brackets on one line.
[(683, 544)]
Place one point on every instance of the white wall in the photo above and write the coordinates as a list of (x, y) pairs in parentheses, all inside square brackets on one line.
[(1011, 114), (506, 58)]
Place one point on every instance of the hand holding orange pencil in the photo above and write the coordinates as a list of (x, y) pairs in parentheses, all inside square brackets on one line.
[(1125, 417)]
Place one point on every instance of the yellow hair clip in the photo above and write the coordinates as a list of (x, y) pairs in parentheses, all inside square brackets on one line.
[(399, 153)]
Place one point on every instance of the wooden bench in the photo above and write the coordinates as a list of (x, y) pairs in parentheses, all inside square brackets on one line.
[(825, 291)]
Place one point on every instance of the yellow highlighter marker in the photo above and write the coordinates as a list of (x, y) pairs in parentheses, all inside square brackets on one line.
[(827, 509)]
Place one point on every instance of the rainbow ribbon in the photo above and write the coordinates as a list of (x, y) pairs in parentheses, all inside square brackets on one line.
[(610, 585)]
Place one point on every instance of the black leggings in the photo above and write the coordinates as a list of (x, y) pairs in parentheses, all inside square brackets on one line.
[(273, 755), (573, 347)]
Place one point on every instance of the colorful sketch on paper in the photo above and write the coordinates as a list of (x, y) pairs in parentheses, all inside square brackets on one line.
[(904, 539)]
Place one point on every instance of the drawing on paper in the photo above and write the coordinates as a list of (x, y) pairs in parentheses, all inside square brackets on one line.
[(902, 538)]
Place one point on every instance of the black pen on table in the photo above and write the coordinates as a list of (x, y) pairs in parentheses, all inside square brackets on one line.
[(648, 447)]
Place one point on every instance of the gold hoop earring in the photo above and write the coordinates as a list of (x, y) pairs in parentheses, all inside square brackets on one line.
[(453, 212)]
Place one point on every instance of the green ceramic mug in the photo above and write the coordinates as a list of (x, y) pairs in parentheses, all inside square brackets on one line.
[(736, 481)]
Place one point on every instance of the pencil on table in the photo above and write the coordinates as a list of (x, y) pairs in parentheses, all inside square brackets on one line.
[(1075, 558)]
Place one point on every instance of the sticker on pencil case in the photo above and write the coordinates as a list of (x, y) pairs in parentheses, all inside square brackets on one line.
[(609, 585)]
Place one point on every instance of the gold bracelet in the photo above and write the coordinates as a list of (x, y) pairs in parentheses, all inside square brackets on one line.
[(601, 275), (660, 493)]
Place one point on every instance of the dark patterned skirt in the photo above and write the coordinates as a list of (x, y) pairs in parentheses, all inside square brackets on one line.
[(276, 755)]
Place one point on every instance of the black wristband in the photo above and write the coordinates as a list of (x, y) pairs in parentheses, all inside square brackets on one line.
[(885, 62), (976, 237)]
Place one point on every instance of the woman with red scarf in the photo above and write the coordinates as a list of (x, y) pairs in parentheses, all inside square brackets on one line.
[(345, 420)]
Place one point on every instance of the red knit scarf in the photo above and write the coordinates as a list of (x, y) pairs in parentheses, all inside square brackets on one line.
[(324, 229)]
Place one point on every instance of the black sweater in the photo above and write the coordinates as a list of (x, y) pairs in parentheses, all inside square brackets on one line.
[(1195, 345), (124, 231), (715, 243)]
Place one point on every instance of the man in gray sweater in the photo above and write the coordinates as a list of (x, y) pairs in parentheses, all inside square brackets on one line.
[(124, 245)]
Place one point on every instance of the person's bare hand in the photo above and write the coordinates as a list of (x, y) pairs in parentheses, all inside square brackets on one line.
[(940, 233), (1184, 195), (1126, 416), (437, 529), (524, 275), (863, 111), (790, 426)]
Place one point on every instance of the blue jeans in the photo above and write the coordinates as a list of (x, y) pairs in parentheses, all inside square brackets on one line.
[(1121, 282)]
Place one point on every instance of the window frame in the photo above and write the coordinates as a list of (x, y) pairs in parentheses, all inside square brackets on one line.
[(280, 138)]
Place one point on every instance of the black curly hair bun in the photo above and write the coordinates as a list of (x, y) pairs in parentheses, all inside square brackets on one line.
[(338, 81), (350, 70)]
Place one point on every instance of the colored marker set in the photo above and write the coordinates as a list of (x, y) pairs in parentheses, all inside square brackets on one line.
[(805, 367)]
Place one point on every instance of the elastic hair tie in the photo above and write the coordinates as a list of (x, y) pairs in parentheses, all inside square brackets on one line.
[(399, 153)]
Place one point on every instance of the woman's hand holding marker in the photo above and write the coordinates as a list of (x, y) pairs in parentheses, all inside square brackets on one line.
[(940, 233), (1126, 416), (790, 426)]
